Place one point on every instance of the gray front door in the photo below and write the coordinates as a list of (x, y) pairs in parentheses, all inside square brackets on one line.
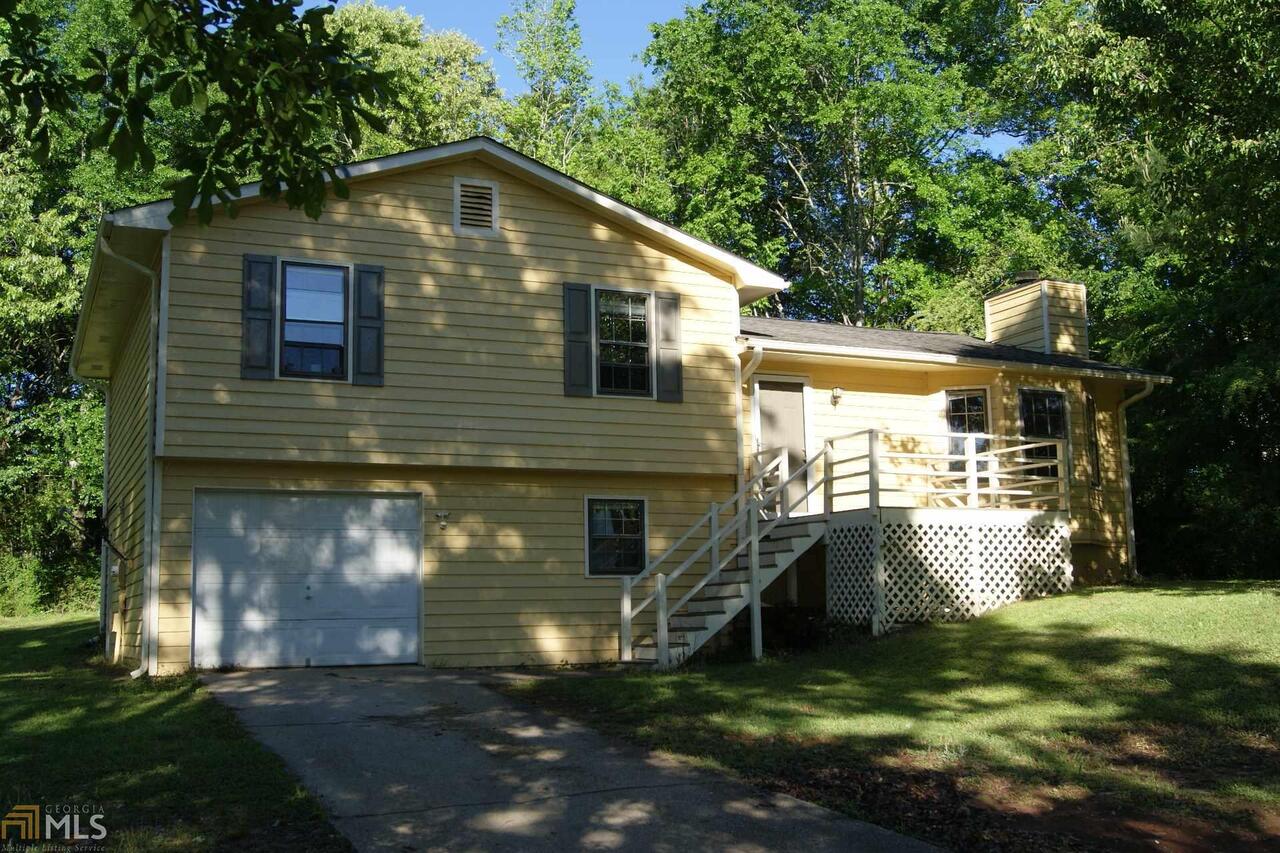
[(782, 425)]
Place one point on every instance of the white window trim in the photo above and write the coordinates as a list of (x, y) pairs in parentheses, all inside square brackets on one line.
[(945, 392), (277, 317), (586, 531), (810, 437), (469, 230), (651, 327)]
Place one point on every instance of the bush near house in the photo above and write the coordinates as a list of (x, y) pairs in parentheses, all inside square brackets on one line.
[(1108, 718)]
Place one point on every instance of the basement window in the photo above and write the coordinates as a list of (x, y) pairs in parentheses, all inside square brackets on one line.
[(475, 207), (617, 535)]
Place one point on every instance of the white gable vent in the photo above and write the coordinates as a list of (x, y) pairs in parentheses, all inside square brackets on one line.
[(475, 206)]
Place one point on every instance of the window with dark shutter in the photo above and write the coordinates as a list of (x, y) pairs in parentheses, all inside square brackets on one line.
[(313, 321), (1095, 446), (623, 366), (367, 343), (475, 207), (257, 318)]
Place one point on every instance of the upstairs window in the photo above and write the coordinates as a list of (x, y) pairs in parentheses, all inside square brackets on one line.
[(1044, 415), (616, 536), (313, 321), (623, 363)]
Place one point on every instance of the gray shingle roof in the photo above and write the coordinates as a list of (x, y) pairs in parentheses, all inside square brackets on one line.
[(936, 343)]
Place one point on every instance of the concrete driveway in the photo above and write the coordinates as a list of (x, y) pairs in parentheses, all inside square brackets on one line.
[(406, 758)]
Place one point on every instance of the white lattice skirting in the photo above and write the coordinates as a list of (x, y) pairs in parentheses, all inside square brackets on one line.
[(893, 566)]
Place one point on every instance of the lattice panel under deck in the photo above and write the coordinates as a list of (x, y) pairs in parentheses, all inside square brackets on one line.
[(942, 566), (851, 595)]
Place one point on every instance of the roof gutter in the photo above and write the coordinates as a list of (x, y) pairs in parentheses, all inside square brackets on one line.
[(915, 357), (1131, 530)]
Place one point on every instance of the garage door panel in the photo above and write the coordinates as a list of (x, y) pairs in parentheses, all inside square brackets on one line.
[(276, 597), (293, 579), (317, 554), (310, 643)]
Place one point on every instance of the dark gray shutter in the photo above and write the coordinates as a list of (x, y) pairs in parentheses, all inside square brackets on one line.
[(367, 326), (577, 340), (258, 318), (670, 372)]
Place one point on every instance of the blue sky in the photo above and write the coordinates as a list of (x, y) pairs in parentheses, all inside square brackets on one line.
[(614, 32)]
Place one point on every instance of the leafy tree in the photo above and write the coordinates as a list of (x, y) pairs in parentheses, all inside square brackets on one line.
[(553, 121), (264, 80), (441, 88), (1171, 114)]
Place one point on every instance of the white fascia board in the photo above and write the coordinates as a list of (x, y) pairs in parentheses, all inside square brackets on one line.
[(752, 282), (843, 352)]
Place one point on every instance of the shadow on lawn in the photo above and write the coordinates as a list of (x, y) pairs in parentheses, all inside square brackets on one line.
[(171, 768), (1108, 739)]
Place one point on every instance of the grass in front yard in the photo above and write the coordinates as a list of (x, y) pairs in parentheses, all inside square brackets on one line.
[(1111, 717), (172, 769)]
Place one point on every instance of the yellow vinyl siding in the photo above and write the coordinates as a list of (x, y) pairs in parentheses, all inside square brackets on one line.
[(128, 466), (913, 402), (474, 339), (503, 582), (1017, 317)]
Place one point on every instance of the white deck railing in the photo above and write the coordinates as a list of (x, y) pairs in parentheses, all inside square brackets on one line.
[(860, 470)]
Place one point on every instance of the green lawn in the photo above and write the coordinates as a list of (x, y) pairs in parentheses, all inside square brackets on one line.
[(171, 768), (1110, 717)]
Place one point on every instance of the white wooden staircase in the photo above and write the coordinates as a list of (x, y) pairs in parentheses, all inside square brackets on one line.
[(715, 605), (750, 540)]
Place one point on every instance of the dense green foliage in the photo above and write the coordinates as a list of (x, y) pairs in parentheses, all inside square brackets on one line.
[(840, 142)]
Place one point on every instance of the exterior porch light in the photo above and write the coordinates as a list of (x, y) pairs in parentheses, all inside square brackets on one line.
[(836, 395)]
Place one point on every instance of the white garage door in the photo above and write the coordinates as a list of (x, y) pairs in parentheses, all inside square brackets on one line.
[(305, 579)]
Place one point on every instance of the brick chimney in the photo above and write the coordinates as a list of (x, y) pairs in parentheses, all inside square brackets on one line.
[(1040, 314)]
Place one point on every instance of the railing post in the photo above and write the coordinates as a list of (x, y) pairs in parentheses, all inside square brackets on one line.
[(753, 578), (1064, 475), (624, 628), (873, 469), (715, 536), (828, 484), (971, 468), (664, 645), (784, 474)]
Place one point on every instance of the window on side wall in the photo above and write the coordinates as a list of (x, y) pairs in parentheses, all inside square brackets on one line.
[(623, 343), (1095, 446), (966, 415), (1043, 415), (616, 536), (313, 321)]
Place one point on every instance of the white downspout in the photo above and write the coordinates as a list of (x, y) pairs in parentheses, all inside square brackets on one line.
[(1131, 530), (149, 566)]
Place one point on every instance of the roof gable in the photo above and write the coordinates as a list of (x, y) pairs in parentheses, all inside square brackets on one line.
[(751, 281)]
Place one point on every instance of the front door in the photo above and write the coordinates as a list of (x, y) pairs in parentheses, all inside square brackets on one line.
[(782, 425)]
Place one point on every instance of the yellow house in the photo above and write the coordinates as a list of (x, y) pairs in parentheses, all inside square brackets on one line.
[(480, 414)]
